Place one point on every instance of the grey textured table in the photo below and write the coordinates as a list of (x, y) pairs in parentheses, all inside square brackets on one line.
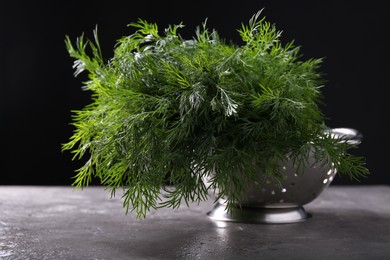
[(60, 223)]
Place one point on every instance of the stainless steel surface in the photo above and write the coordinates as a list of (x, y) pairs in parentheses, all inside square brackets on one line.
[(350, 135), (259, 215), (296, 189), (271, 202)]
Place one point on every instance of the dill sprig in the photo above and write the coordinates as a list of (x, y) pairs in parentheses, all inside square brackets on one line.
[(167, 112)]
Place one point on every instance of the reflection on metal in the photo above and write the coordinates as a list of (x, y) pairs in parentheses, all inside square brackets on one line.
[(259, 215)]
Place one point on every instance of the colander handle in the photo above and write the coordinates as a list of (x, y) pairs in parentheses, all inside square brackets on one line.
[(351, 135)]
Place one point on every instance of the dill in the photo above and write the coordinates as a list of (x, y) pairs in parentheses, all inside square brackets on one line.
[(167, 112)]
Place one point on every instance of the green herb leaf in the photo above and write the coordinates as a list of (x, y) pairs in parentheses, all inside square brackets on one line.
[(168, 112)]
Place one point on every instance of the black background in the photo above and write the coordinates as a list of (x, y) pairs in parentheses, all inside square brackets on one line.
[(38, 89)]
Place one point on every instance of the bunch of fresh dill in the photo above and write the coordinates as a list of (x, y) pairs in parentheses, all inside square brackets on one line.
[(167, 110)]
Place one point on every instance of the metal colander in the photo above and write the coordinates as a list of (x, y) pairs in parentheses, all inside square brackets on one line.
[(268, 202)]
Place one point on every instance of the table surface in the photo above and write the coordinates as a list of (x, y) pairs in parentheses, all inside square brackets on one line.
[(348, 222)]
